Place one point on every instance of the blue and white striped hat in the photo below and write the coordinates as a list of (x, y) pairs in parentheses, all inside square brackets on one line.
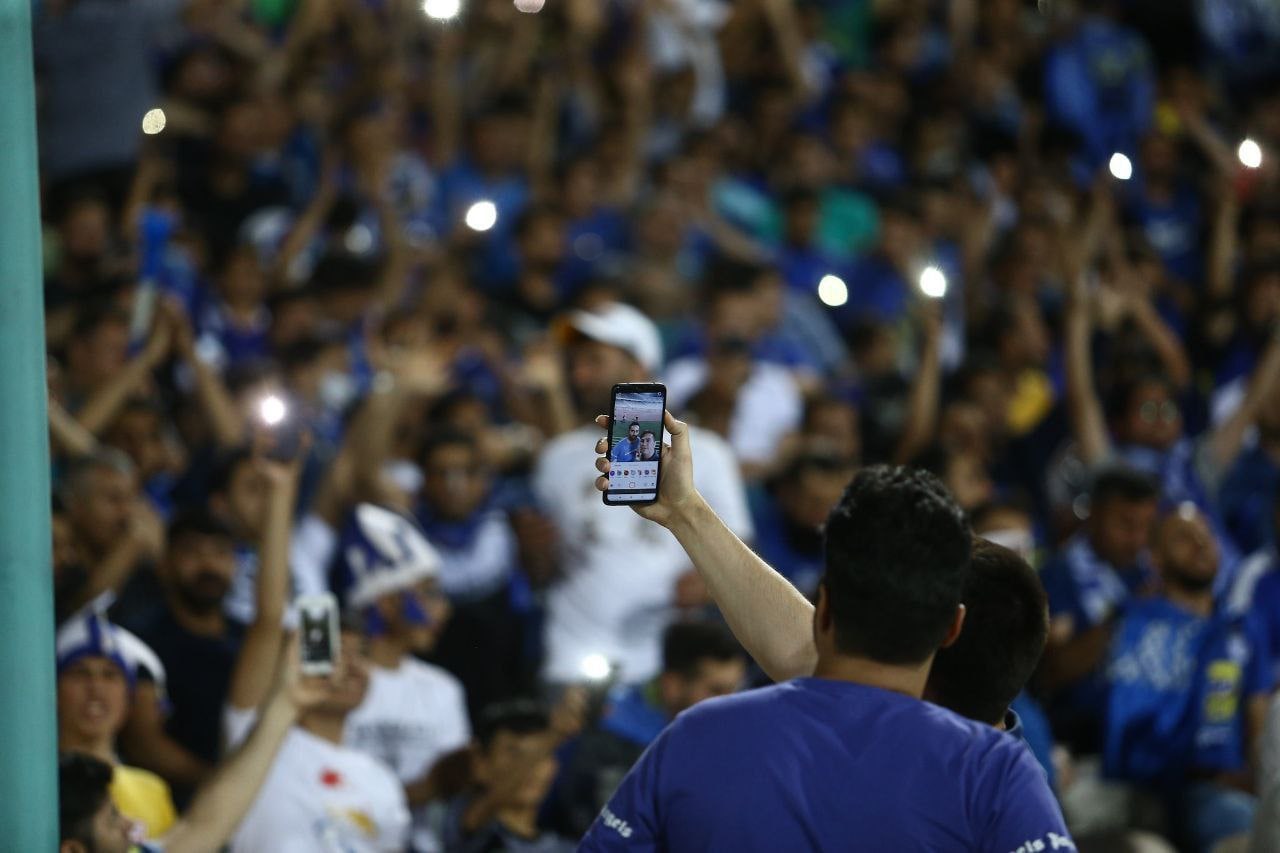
[(382, 552), (92, 636)]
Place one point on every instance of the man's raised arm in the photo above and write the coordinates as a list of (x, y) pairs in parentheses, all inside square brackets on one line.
[(768, 615)]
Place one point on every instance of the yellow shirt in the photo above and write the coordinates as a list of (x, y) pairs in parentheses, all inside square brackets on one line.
[(142, 796), (1031, 401)]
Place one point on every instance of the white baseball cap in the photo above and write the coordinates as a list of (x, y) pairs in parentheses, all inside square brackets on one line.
[(621, 326)]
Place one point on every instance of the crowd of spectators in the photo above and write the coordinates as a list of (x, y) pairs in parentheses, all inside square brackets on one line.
[(335, 288)]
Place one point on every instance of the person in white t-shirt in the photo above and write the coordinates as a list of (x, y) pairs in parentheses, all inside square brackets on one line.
[(320, 795), (415, 713), (621, 578)]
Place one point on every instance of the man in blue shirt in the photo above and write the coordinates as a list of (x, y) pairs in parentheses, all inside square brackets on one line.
[(852, 750), (1088, 583), (626, 449), (1189, 685)]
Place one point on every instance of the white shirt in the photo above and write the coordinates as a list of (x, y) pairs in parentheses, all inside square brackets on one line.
[(768, 407), (618, 584), (411, 716), (320, 797)]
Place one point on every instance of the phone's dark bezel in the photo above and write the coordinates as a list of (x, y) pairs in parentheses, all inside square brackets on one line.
[(637, 388)]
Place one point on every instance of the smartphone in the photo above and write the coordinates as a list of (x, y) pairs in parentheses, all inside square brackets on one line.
[(321, 636), (283, 430), (635, 443)]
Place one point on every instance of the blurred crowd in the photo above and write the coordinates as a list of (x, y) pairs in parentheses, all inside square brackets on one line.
[(335, 288)]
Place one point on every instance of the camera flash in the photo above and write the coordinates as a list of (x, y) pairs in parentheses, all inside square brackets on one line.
[(1250, 154), (596, 667), (441, 10), (933, 282), (481, 216), (272, 410), (1121, 168), (833, 291)]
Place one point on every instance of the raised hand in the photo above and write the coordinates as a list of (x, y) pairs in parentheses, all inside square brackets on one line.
[(676, 492)]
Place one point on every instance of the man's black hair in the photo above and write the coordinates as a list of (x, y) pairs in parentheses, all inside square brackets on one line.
[(685, 645), (82, 790), (518, 716), (1120, 398), (447, 437), (339, 272), (196, 522), (896, 550), (225, 467), (1005, 628), (649, 432), (1124, 484), (725, 274)]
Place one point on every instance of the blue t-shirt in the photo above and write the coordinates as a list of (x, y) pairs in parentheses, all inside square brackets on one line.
[(813, 763), (1179, 685), (625, 451)]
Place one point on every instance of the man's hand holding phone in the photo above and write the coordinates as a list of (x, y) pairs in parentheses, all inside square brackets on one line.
[(676, 494)]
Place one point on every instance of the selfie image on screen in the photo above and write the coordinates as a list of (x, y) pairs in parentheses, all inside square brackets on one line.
[(635, 443)]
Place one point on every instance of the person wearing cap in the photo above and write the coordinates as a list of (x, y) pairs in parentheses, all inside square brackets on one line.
[(96, 677), (604, 605), (414, 712)]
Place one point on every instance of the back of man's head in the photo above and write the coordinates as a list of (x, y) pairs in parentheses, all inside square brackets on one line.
[(897, 547), (1005, 628), (685, 645), (83, 783)]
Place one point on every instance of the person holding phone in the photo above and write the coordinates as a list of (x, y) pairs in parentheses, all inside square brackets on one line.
[(897, 552), (601, 604)]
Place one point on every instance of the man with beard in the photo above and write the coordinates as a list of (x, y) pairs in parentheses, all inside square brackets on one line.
[(625, 450), (1188, 691), (196, 641)]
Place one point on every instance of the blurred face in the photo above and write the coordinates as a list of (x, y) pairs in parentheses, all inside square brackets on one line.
[(594, 368), (1185, 550), (633, 432), (200, 570), (1153, 419), (1119, 530), (808, 502), (138, 433), (100, 512), (349, 684), (93, 360), (456, 482), (542, 245), (428, 598), (968, 481), (112, 831), (507, 753), (244, 504), (834, 426), (243, 282), (728, 371), (713, 678), (241, 132), (93, 698), (86, 232), (648, 446)]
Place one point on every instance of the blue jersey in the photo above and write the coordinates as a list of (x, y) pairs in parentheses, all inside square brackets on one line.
[(1179, 684), (813, 764), (625, 451)]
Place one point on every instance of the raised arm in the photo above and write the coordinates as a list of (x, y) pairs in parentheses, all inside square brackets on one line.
[(1087, 422), (922, 409), (255, 667), (102, 408), (1225, 441), (221, 804), (768, 615)]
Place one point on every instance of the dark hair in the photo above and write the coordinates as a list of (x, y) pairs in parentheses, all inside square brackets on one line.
[(1117, 402), (93, 315), (896, 550), (196, 522), (685, 645), (82, 789), (649, 432), (1005, 628), (225, 467), (339, 272), (518, 716), (1124, 484), (447, 437)]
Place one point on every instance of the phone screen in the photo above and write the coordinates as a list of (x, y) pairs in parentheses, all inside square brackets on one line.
[(635, 443), (318, 623)]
